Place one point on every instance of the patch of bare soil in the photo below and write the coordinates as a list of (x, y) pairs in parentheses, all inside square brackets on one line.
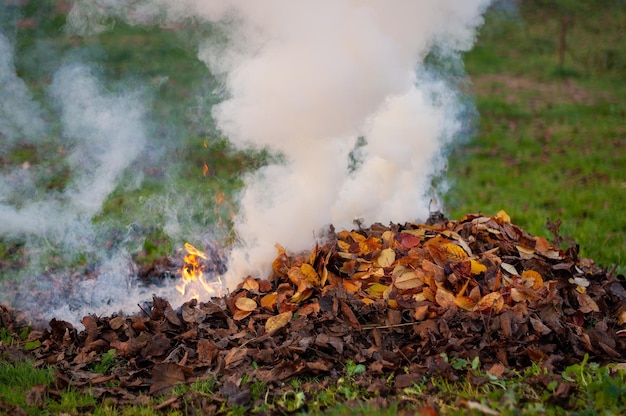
[(393, 298)]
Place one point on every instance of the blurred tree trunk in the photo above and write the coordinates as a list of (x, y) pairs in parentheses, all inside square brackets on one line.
[(565, 22)]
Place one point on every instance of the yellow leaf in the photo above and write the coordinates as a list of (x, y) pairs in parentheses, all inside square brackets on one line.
[(465, 303), (503, 216), (310, 274), (367, 301), (274, 323), (455, 252), (386, 257), (343, 246), (245, 304), (429, 294), (301, 294), (280, 263), (478, 268), (376, 290)]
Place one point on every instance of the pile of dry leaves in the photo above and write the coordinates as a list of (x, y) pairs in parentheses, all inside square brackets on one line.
[(393, 298)]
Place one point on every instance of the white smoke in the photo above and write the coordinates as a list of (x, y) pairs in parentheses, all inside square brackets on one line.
[(306, 79), (103, 133), (19, 115)]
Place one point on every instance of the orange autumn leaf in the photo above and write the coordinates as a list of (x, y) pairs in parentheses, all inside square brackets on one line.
[(310, 274), (269, 301), (465, 302), (532, 279), (238, 315), (351, 286), (491, 303), (280, 265), (376, 290)]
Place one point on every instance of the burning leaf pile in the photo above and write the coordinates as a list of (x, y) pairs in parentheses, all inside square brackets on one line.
[(393, 298)]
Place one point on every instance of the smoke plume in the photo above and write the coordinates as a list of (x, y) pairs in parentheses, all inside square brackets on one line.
[(339, 91), (306, 79)]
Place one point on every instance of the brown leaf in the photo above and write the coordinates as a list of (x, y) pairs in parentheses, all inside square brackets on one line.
[(207, 351), (165, 376), (282, 371), (157, 346), (586, 303), (444, 297), (349, 315), (234, 357)]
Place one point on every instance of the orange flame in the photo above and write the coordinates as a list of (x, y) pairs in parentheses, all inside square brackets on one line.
[(192, 274)]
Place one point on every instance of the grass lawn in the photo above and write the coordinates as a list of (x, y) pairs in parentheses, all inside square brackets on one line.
[(550, 144), (551, 141)]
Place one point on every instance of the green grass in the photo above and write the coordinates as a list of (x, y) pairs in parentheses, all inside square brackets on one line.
[(549, 146)]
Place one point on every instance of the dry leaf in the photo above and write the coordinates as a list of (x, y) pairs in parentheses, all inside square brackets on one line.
[(503, 216), (444, 297), (586, 303), (245, 304), (532, 279), (274, 323), (478, 268), (455, 253), (465, 302), (250, 284), (386, 257), (491, 303), (269, 301), (376, 290)]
